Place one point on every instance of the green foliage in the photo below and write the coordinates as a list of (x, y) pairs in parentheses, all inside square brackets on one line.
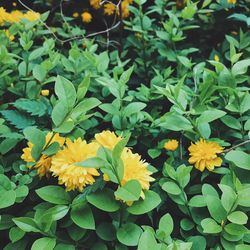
[(173, 70)]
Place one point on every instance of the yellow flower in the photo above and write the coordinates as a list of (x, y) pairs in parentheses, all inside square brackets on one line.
[(171, 145), (44, 163), (216, 58), (109, 9), (45, 92), (107, 139), (14, 17), (135, 169), (72, 176), (204, 155), (95, 3), (3, 15), (125, 9), (75, 14), (31, 16), (231, 1), (7, 33), (86, 17), (14, 4)]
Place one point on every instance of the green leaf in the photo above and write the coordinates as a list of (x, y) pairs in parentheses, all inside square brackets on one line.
[(199, 242), (104, 200), (231, 122), (235, 229), (239, 158), (82, 216), (59, 113), (129, 192), (65, 91), (35, 108), (210, 115), (106, 231), (7, 198), (93, 162), (62, 246), (84, 106), (166, 224), (215, 208), (54, 195), (37, 138), (39, 73), (240, 67), (45, 243), (171, 188), (175, 122), (197, 201), (238, 217), (52, 214), (148, 242), (52, 149), (133, 108), (129, 234), (210, 226), (151, 201), (244, 197), (83, 87), (16, 234), (26, 224), (228, 198), (18, 119)]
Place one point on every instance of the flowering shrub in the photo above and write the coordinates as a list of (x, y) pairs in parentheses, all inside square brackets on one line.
[(131, 137)]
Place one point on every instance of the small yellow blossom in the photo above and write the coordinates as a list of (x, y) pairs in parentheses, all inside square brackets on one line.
[(7, 33), (45, 92), (109, 9), (216, 58), (73, 176), (125, 9), (14, 4), (204, 155), (44, 163), (234, 33), (75, 14), (31, 16), (95, 3), (86, 17), (3, 15), (232, 1), (171, 145)]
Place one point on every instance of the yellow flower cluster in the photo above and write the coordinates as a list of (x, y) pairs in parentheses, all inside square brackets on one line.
[(63, 164), (16, 16), (109, 9)]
